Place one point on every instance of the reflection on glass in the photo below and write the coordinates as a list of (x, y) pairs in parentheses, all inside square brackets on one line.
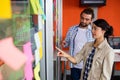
[(19, 28)]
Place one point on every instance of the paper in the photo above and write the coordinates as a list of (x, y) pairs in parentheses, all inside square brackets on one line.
[(36, 72), (37, 57), (5, 9), (40, 11), (40, 52), (11, 55), (33, 5), (27, 51), (40, 37), (40, 22), (40, 48), (28, 66), (38, 41), (37, 8)]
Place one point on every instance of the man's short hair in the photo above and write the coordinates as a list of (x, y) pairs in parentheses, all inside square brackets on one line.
[(88, 11)]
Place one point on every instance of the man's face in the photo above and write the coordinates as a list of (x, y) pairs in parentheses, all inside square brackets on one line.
[(85, 19)]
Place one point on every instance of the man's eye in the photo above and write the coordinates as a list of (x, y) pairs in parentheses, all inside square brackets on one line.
[(87, 19)]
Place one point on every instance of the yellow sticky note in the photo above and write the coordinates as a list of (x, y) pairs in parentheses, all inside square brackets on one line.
[(5, 9), (36, 7), (38, 41), (33, 6), (40, 51), (36, 72), (40, 48), (39, 7), (40, 36)]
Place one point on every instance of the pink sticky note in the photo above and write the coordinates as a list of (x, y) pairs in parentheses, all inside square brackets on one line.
[(11, 55), (28, 66)]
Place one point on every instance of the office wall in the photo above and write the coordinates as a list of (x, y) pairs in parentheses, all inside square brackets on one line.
[(71, 14), (111, 13), (72, 9)]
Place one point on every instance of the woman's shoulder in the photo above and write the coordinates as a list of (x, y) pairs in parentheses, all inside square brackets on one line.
[(89, 44), (108, 49)]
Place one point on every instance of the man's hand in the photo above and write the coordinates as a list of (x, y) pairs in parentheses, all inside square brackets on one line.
[(63, 43)]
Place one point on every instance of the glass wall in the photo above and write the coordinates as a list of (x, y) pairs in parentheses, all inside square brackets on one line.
[(35, 28), (18, 27)]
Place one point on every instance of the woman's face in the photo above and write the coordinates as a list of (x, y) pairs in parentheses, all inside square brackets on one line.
[(97, 32)]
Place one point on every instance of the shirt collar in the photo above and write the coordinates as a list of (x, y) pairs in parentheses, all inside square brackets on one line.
[(89, 27)]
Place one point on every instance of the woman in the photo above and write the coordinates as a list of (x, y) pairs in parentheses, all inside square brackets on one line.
[(98, 56)]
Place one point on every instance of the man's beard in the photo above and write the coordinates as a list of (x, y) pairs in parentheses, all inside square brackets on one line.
[(83, 25)]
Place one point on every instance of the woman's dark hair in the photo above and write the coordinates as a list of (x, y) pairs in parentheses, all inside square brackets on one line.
[(88, 11), (105, 26)]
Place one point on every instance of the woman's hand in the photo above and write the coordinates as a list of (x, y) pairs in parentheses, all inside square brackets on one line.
[(61, 53), (63, 43)]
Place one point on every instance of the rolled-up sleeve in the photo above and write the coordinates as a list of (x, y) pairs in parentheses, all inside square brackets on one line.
[(67, 39)]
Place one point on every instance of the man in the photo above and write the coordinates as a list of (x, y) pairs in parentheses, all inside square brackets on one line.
[(76, 37)]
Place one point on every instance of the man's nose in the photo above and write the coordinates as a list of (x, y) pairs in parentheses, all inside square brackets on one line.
[(84, 21)]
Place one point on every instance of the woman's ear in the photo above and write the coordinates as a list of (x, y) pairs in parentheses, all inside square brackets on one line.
[(103, 31)]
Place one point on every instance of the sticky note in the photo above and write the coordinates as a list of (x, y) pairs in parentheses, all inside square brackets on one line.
[(36, 7), (36, 72), (33, 7), (11, 55), (41, 47), (28, 66), (40, 52), (5, 9), (41, 24), (37, 41), (28, 51), (37, 57)]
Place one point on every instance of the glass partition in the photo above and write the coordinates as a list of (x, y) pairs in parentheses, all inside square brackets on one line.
[(18, 27)]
